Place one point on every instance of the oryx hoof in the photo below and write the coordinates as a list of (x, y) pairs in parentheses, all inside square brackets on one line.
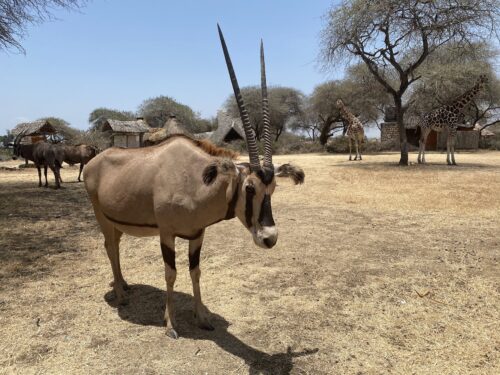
[(172, 333), (123, 284)]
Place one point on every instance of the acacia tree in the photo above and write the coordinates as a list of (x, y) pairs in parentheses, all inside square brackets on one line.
[(16, 15), (451, 71), (156, 111), (361, 93), (285, 104), (99, 115), (394, 37)]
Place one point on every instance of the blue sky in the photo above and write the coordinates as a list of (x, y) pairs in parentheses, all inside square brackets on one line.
[(116, 53)]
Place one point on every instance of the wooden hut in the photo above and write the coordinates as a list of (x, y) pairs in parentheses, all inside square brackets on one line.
[(126, 133), (34, 131)]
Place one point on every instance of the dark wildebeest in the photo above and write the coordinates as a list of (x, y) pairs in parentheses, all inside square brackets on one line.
[(79, 154), (41, 153)]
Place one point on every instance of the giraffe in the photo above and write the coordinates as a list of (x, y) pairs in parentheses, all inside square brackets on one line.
[(447, 116), (354, 130)]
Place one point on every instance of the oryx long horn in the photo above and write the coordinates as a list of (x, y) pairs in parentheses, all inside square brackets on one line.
[(253, 152), (268, 146)]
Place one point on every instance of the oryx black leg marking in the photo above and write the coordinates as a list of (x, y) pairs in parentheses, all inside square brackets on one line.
[(194, 259), (168, 256)]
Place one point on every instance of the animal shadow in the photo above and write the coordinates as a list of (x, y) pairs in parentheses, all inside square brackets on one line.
[(146, 307)]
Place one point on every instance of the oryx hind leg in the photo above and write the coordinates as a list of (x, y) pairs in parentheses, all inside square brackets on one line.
[(168, 253), (201, 313)]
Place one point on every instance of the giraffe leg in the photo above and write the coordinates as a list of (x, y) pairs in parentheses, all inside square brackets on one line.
[(453, 140), (350, 157), (419, 159), (448, 146), (423, 141), (360, 141)]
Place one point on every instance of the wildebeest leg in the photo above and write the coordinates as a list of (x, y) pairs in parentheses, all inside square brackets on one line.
[(168, 253), (57, 176), (79, 174), (39, 176), (45, 174), (201, 313)]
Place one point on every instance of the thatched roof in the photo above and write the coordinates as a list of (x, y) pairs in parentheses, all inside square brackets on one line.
[(228, 128), (34, 128), (132, 126)]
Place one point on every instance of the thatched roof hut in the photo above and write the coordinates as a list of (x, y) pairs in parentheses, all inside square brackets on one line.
[(34, 128), (228, 129), (126, 133)]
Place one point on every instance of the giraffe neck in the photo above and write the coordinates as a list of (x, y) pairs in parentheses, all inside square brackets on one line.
[(347, 115), (467, 97)]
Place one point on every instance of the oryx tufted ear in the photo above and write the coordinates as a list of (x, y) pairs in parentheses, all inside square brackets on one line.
[(290, 170), (222, 166), (210, 174)]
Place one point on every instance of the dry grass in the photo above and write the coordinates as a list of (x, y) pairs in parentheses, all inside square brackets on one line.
[(381, 269)]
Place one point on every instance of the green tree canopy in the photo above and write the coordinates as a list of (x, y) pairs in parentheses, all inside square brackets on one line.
[(451, 71), (364, 96), (285, 106), (99, 115), (156, 112), (393, 38)]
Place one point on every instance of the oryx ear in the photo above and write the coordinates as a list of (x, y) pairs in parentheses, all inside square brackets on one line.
[(209, 174), (290, 170), (221, 166)]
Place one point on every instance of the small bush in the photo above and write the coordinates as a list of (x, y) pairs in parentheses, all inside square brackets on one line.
[(341, 145)]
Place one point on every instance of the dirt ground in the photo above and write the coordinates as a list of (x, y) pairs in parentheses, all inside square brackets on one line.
[(378, 270)]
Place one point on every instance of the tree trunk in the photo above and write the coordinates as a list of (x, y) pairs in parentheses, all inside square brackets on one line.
[(402, 131)]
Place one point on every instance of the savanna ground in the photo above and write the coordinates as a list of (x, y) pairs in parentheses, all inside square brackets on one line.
[(378, 270)]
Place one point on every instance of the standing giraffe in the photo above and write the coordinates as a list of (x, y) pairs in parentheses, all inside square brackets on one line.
[(354, 131), (447, 116)]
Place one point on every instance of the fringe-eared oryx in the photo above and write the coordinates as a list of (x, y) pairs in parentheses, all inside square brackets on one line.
[(178, 188)]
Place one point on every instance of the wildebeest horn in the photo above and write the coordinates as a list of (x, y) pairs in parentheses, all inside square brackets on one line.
[(253, 152), (266, 132)]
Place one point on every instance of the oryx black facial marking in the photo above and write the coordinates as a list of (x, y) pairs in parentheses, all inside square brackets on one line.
[(250, 190), (168, 256), (194, 259), (266, 214)]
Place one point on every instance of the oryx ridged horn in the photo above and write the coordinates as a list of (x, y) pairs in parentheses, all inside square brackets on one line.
[(268, 146), (253, 152)]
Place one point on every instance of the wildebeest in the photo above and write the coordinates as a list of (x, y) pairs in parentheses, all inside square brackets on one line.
[(41, 153), (178, 188), (78, 154)]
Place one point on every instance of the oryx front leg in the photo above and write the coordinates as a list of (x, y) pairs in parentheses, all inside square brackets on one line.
[(168, 253), (201, 313)]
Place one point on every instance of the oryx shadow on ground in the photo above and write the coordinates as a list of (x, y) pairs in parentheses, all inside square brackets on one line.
[(146, 306)]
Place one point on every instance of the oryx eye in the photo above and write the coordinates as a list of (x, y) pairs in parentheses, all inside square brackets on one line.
[(250, 189)]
